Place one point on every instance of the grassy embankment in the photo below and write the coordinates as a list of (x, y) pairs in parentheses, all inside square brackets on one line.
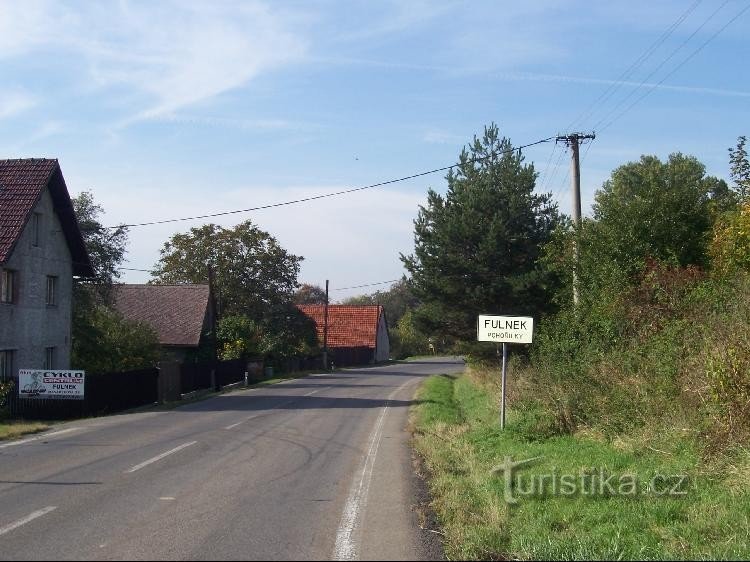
[(14, 429), (666, 396)]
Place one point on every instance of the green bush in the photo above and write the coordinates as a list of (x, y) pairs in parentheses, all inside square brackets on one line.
[(6, 388), (105, 342), (237, 337)]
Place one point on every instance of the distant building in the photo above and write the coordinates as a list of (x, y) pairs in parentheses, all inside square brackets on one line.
[(182, 316), (41, 249), (357, 335)]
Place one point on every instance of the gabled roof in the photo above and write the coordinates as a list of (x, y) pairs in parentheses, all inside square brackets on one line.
[(348, 326), (22, 183), (176, 312)]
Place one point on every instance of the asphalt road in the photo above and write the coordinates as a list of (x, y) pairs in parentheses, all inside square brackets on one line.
[(313, 468)]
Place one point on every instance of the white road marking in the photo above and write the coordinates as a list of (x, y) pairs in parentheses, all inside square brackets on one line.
[(160, 457), (274, 408), (27, 519), (38, 437), (167, 499), (346, 547)]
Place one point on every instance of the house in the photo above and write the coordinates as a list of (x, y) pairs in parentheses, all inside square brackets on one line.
[(357, 335), (183, 316), (41, 249)]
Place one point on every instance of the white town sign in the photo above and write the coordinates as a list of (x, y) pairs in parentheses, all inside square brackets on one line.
[(505, 329)]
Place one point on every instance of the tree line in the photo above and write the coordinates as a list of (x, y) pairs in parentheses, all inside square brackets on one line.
[(491, 243)]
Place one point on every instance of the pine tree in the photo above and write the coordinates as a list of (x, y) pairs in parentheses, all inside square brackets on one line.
[(477, 248)]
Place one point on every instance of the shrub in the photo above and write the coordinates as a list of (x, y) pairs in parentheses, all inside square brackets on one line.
[(6, 388), (105, 342)]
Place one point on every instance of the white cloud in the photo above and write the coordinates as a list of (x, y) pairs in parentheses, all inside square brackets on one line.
[(539, 77), (358, 235), (268, 125), (14, 102), (439, 136), (171, 54)]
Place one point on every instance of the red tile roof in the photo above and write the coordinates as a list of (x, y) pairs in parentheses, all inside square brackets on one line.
[(21, 185), (176, 312), (348, 326)]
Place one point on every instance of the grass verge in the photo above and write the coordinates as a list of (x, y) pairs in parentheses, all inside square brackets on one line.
[(457, 434), (14, 429)]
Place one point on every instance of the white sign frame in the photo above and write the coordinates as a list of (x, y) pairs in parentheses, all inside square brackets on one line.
[(54, 384), (505, 329)]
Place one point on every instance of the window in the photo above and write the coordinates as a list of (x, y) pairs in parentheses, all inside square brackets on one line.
[(51, 290), (49, 358), (6, 364), (36, 227), (7, 286)]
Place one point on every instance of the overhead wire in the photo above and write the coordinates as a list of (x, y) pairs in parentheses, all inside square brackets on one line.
[(335, 193), (646, 80), (544, 175), (607, 94), (679, 66), (366, 285)]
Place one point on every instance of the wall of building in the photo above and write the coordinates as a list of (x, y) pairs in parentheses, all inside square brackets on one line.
[(383, 345), (29, 326)]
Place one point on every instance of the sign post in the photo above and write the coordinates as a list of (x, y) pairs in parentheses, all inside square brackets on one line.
[(505, 329), (505, 378)]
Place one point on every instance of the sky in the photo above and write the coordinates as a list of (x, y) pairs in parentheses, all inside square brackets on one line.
[(174, 109)]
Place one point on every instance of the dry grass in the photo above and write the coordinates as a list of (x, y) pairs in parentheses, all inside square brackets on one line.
[(457, 435), (14, 429)]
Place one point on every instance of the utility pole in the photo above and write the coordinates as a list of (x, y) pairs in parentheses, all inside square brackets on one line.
[(215, 311), (325, 332), (573, 140)]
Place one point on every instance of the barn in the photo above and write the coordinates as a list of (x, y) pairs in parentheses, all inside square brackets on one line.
[(357, 335)]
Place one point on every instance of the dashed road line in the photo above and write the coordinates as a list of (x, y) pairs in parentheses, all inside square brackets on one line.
[(28, 519), (276, 407), (159, 457)]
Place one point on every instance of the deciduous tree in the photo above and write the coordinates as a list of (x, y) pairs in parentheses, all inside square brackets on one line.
[(309, 294), (253, 275), (655, 209), (104, 341)]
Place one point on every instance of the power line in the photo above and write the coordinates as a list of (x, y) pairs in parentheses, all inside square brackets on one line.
[(367, 285), (679, 66), (336, 193), (546, 168), (612, 89), (659, 67), (553, 175)]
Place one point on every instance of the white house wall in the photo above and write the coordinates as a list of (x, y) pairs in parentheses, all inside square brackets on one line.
[(383, 349), (30, 326)]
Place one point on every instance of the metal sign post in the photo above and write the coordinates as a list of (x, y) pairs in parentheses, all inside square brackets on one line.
[(505, 329), (505, 371)]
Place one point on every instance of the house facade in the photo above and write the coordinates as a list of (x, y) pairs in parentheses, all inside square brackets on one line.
[(183, 316), (41, 249), (357, 335)]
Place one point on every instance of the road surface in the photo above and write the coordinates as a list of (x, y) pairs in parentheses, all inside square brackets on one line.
[(313, 468)]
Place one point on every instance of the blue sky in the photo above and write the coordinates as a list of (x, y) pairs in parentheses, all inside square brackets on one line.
[(169, 109)]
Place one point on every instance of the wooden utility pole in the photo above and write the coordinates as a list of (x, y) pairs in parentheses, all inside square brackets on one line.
[(215, 312), (573, 140), (325, 331)]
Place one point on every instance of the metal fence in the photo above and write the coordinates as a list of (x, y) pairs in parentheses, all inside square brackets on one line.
[(103, 394), (205, 375), (114, 392)]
